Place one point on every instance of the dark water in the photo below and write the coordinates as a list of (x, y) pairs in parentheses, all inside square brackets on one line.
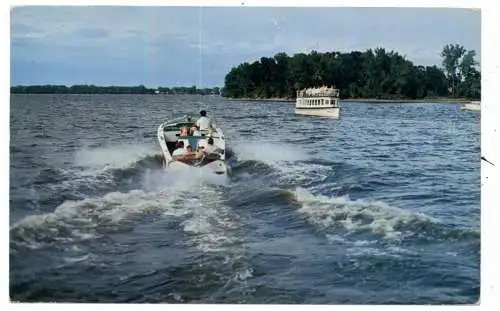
[(381, 206)]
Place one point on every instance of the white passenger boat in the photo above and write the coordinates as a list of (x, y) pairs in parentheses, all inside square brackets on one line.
[(321, 102), (171, 132)]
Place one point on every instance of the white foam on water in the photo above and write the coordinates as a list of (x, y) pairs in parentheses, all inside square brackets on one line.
[(374, 249), (93, 166), (176, 296), (356, 216), (286, 159), (370, 251), (76, 259), (193, 196), (190, 179), (400, 250), (303, 173), (211, 225), (243, 274), (215, 232), (363, 243), (336, 238), (117, 156), (80, 220), (269, 152)]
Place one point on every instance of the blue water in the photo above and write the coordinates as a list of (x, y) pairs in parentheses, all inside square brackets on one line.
[(380, 206)]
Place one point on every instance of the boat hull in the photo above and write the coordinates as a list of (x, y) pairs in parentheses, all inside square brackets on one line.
[(218, 167), (332, 113)]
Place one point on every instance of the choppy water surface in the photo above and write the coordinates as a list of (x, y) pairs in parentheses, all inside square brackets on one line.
[(381, 206)]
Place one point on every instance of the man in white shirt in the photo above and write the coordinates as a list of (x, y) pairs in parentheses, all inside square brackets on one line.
[(204, 122)]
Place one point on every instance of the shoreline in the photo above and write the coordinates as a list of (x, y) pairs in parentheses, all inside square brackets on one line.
[(410, 101), (259, 99), (369, 100), (291, 100)]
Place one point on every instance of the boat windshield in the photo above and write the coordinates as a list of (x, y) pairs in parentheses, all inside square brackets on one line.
[(177, 126), (183, 119)]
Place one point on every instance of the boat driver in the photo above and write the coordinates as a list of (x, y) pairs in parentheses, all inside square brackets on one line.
[(204, 123)]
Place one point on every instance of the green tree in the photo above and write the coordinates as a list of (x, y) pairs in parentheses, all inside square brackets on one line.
[(452, 54), (435, 81), (460, 67), (371, 74)]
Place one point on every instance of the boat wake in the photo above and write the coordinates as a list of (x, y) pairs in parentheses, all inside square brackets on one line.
[(123, 193), (322, 196), (133, 186), (351, 221), (108, 187)]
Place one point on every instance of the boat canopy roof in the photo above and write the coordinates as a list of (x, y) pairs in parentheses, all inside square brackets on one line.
[(318, 92), (176, 126)]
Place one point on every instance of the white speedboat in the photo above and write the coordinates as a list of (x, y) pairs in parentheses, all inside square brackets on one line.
[(473, 106), (170, 133)]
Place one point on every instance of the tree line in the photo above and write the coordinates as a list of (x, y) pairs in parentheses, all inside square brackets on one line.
[(189, 90), (378, 74), (93, 89)]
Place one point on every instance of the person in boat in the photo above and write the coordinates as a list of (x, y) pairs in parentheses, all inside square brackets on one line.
[(200, 152), (211, 148), (191, 154), (179, 149), (204, 123), (184, 131), (193, 131), (188, 153)]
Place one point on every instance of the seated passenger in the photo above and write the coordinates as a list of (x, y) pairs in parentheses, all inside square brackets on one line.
[(179, 151), (200, 152), (184, 131), (191, 154), (193, 131), (202, 143), (211, 148)]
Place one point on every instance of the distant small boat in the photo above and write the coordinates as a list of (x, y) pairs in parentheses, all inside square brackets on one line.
[(473, 106), (321, 102)]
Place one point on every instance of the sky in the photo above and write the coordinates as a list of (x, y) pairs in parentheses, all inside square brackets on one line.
[(184, 46)]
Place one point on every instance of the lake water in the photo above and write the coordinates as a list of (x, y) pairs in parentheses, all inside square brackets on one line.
[(380, 206)]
